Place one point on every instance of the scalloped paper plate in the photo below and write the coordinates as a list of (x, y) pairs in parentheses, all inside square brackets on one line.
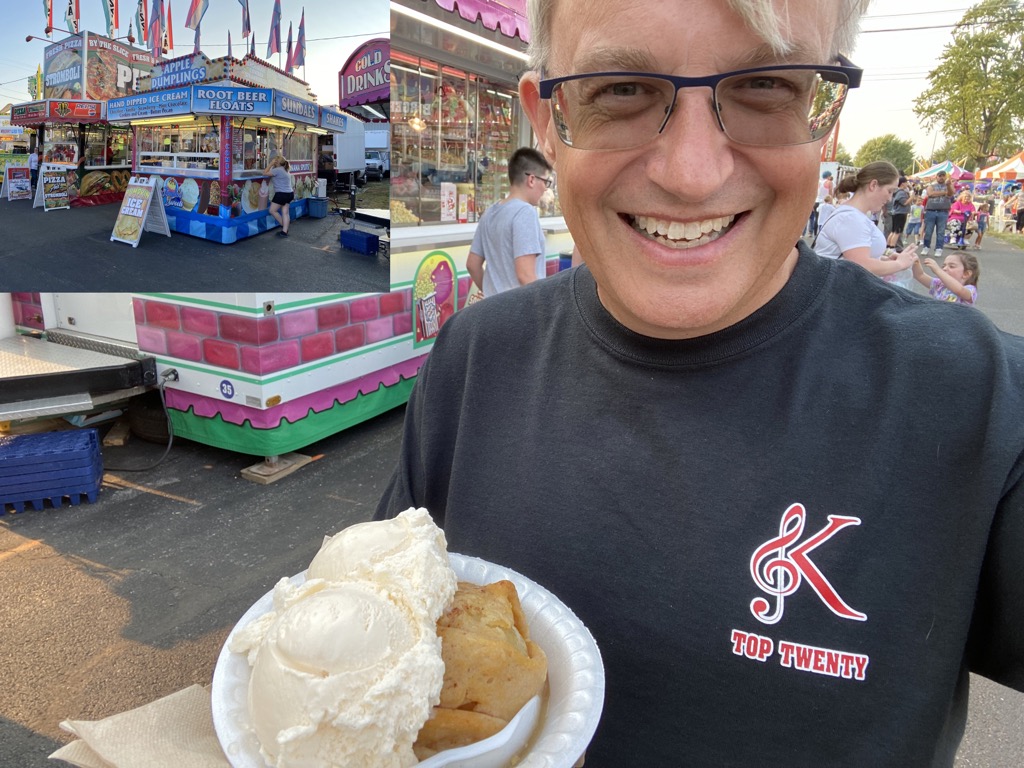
[(575, 686)]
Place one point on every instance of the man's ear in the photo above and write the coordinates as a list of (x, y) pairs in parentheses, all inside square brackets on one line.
[(539, 113)]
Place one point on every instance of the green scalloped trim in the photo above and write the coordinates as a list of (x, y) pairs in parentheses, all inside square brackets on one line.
[(288, 436)]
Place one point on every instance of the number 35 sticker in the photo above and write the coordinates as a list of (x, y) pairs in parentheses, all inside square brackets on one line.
[(227, 389)]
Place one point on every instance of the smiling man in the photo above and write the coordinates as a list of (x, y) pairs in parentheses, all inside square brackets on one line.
[(704, 440)]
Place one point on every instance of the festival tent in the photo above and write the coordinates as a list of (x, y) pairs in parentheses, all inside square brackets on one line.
[(954, 171), (1011, 168)]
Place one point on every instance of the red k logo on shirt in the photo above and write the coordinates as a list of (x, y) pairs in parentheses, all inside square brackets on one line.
[(781, 565)]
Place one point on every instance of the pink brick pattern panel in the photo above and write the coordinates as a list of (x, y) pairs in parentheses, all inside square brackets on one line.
[(265, 345), (28, 310)]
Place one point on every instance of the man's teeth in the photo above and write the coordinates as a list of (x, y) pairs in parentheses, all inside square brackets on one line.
[(683, 235)]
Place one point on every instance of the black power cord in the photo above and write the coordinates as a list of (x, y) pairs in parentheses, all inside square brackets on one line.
[(171, 374)]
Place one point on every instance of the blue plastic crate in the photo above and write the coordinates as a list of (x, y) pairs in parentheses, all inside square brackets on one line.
[(50, 466), (18, 450), (360, 242)]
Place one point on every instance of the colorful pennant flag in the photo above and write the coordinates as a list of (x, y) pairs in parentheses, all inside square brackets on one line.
[(288, 51), (48, 12), (156, 27), (195, 48), (299, 57), (246, 23), (274, 44), (168, 29), (72, 16), (111, 12), (196, 11), (141, 25)]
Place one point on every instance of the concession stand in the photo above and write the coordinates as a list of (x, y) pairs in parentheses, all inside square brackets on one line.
[(206, 129), (80, 74), (456, 120)]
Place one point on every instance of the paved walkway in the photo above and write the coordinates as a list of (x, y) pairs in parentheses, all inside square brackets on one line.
[(71, 250)]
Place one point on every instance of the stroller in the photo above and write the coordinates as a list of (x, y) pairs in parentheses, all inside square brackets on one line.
[(956, 232)]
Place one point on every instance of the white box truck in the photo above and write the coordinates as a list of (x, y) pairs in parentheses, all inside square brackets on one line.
[(341, 156), (378, 150)]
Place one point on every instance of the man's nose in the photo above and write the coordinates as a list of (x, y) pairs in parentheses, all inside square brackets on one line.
[(692, 157)]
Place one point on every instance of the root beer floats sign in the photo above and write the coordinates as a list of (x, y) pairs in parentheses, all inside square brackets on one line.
[(366, 77)]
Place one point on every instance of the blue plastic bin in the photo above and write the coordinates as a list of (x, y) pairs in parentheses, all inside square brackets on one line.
[(360, 242), (53, 465), (317, 207)]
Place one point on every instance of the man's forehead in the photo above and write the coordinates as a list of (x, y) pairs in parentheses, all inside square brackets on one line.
[(597, 37)]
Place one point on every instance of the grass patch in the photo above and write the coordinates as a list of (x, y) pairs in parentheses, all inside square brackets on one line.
[(375, 194), (1011, 238)]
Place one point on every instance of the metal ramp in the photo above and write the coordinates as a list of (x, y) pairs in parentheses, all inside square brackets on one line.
[(43, 378)]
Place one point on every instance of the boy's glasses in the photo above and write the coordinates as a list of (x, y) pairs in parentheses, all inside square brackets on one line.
[(765, 106), (549, 183)]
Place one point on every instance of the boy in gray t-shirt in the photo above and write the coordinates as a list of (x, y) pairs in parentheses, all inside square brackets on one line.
[(509, 238)]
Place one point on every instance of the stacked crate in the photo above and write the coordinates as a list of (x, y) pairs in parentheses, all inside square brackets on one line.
[(53, 465), (356, 240)]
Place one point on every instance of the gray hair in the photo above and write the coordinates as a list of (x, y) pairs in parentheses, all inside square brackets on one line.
[(759, 15)]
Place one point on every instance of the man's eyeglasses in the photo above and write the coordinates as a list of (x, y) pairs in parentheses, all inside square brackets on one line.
[(764, 107), (549, 183)]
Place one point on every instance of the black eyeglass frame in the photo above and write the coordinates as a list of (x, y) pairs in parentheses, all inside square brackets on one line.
[(845, 70), (548, 182)]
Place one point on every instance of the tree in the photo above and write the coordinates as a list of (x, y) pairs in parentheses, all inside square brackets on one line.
[(889, 147), (945, 151), (843, 155), (974, 95)]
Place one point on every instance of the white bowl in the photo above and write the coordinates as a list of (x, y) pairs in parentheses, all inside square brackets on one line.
[(575, 692)]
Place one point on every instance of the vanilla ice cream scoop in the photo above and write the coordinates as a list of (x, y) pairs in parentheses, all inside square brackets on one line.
[(345, 677), (408, 553), (347, 665)]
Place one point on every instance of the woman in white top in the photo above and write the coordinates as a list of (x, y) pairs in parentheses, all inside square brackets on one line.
[(850, 234)]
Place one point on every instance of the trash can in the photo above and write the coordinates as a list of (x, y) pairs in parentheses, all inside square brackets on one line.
[(318, 207), (564, 260)]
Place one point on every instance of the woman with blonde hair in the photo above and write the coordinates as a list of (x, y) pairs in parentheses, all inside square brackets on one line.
[(849, 233), (284, 192)]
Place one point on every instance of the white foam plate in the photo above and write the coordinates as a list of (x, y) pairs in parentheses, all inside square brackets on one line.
[(575, 686)]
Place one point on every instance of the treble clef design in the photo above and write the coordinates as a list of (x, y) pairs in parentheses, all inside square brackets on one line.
[(779, 570), (777, 575)]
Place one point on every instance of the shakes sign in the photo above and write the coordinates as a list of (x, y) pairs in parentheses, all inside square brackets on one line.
[(366, 77)]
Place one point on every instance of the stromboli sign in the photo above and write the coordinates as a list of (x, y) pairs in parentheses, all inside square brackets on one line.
[(366, 76)]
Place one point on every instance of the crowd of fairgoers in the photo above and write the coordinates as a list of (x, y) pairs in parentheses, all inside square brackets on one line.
[(999, 205)]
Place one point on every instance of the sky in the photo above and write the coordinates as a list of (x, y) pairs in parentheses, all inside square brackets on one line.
[(901, 41), (334, 29)]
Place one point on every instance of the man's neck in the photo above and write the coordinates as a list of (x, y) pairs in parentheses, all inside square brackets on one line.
[(518, 192)]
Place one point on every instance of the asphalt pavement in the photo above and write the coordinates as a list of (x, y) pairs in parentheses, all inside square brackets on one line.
[(71, 250), (111, 605)]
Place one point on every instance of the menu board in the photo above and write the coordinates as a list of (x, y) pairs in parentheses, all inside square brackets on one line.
[(52, 190), (137, 212), (18, 183)]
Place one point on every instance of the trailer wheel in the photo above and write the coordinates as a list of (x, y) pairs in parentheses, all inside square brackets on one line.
[(147, 418)]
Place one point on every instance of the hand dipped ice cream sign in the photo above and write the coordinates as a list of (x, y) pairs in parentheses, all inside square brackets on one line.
[(366, 77)]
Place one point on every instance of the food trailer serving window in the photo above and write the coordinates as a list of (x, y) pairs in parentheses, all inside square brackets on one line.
[(452, 135), (106, 146), (61, 144), (192, 147)]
